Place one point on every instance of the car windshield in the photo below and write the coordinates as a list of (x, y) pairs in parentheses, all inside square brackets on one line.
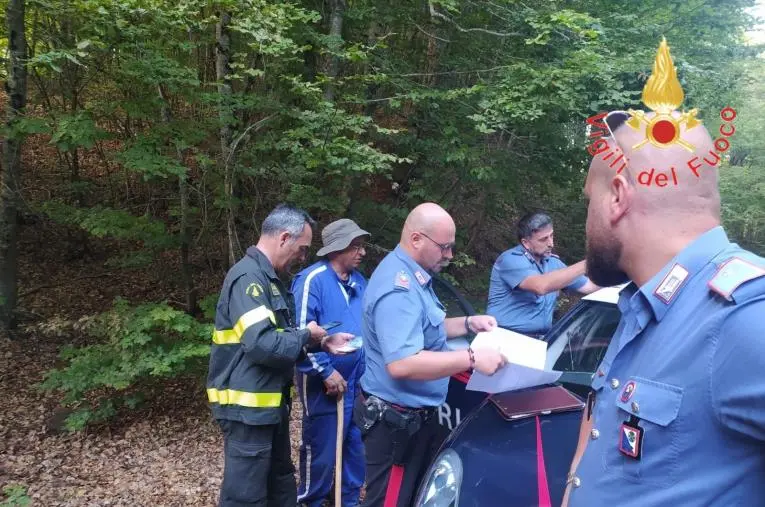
[(581, 342), (454, 303)]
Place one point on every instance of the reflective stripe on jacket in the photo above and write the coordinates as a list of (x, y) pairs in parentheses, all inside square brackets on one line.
[(254, 344)]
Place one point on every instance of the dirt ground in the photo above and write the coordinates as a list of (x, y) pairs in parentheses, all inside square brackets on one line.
[(168, 453)]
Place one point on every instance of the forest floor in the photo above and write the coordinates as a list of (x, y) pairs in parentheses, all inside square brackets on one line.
[(169, 452)]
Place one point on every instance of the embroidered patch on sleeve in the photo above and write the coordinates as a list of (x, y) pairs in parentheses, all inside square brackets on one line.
[(402, 280), (254, 290)]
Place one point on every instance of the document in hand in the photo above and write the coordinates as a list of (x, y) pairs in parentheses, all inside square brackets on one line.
[(525, 362)]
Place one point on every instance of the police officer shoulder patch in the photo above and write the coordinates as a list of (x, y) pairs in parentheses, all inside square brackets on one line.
[(402, 280), (732, 274)]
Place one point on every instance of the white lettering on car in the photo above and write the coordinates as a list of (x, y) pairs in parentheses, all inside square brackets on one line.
[(445, 416)]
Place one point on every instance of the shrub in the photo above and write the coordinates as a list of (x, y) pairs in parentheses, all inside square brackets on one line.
[(16, 496), (135, 344)]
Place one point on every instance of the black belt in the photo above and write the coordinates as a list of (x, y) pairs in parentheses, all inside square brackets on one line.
[(424, 411)]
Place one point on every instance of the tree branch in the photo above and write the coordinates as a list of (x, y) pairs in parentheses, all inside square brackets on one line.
[(430, 34), (51, 285), (434, 13)]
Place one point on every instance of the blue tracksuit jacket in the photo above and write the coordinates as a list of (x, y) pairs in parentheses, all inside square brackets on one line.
[(321, 296)]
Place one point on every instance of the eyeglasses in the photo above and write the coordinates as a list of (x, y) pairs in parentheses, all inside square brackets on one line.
[(445, 247), (357, 248)]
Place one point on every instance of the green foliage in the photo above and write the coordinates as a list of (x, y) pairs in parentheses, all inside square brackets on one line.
[(134, 344), (16, 496), (24, 126), (742, 176), (208, 305), (76, 131), (478, 105), (144, 156), (112, 223)]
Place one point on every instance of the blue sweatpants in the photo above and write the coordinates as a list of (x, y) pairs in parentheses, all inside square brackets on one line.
[(317, 459)]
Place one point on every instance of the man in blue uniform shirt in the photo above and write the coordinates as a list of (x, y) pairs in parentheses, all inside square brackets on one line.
[(678, 409), (331, 291), (408, 363), (525, 280)]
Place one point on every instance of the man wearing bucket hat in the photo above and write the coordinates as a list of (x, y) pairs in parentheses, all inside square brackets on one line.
[(331, 291)]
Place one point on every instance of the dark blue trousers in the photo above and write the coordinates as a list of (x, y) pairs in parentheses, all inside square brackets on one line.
[(317, 459), (258, 470)]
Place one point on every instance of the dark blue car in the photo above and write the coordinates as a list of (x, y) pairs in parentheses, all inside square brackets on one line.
[(514, 449)]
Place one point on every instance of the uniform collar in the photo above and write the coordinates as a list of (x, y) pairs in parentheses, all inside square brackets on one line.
[(521, 250), (420, 274), (661, 291), (262, 261)]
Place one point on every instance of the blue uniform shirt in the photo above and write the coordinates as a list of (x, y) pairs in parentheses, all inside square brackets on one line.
[(321, 296), (402, 316), (519, 309), (687, 367)]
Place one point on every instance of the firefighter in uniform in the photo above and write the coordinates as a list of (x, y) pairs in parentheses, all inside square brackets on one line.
[(407, 361), (254, 350), (677, 410)]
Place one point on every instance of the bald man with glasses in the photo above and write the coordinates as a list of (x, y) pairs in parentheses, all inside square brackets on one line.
[(408, 364)]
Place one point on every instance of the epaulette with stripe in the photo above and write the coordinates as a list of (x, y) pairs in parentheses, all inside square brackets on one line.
[(733, 273)]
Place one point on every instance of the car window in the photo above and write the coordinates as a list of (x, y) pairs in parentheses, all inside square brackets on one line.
[(580, 344), (456, 305)]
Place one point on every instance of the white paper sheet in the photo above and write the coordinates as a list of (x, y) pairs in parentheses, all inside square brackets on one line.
[(526, 362)]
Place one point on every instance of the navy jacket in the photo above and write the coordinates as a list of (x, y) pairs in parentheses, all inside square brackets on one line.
[(255, 344)]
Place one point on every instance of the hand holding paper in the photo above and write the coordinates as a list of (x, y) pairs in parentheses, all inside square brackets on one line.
[(488, 360), (525, 362)]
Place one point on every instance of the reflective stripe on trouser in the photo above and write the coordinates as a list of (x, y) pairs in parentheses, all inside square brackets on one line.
[(258, 471), (317, 460)]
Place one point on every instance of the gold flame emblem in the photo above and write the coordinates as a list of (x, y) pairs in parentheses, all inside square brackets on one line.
[(663, 94)]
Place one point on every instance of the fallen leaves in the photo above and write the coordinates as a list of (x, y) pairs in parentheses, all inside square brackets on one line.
[(149, 457)]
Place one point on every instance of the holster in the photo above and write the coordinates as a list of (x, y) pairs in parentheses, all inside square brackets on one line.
[(403, 424), (367, 413)]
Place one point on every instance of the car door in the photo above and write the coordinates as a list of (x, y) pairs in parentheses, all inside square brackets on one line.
[(459, 402), (577, 343)]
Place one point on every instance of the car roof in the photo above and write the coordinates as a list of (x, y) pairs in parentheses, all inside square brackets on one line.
[(606, 294)]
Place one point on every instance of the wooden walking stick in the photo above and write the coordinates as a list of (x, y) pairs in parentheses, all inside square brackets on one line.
[(339, 452)]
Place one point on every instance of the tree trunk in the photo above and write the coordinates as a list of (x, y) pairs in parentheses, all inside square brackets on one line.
[(371, 91), (356, 181), (16, 86), (226, 114), (187, 279), (337, 10)]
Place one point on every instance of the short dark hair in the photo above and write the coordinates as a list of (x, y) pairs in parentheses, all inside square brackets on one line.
[(286, 217), (531, 223)]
